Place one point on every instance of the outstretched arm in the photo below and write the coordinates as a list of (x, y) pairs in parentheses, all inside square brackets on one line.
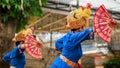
[(84, 35)]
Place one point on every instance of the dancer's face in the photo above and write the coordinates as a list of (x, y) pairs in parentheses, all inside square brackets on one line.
[(22, 45)]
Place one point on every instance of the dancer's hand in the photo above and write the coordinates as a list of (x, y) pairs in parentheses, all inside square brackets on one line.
[(22, 46)]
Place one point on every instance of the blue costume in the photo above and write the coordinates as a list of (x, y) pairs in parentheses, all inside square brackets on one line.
[(16, 58), (70, 44)]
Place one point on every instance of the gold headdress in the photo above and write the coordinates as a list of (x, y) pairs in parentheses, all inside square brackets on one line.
[(22, 34), (78, 17)]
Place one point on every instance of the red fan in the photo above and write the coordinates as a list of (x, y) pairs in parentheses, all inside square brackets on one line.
[(103, 23), (33, 47)]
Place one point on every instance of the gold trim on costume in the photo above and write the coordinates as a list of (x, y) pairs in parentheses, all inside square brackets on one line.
[(69, 62)]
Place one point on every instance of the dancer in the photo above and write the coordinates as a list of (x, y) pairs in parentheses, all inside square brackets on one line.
[(16, 56), (70, 44)]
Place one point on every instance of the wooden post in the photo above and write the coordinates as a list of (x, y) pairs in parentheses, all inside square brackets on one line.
[(51, 32), (57, 4), (70, 5), (77, 5), (50, 38)]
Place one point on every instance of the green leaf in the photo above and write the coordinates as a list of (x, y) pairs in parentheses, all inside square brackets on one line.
[(7, 1), (12, 14), (25, 14), (15, 6), (3, 5), (37, 12), (4, 18), (8, 6), (43, 2)]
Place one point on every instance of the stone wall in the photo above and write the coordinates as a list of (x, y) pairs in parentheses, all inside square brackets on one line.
[(7, 31), (87, 62)]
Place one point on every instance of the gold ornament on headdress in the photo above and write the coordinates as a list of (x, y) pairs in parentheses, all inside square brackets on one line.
[(22, 35), (78, 18)]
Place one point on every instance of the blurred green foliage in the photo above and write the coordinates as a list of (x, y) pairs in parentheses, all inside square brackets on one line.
[(20, 10), (112, 63)]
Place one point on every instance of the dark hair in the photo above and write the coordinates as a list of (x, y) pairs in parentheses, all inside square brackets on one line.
[(75, 29), (18, 42), (34, 36)]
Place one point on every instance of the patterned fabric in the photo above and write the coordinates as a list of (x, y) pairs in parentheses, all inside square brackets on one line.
[(103, 23), (33, 47)]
